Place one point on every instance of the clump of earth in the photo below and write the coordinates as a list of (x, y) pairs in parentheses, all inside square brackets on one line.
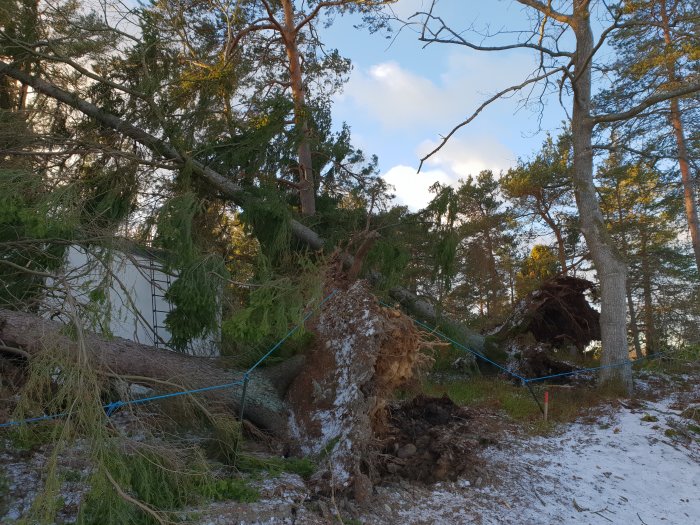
[(429, 439)]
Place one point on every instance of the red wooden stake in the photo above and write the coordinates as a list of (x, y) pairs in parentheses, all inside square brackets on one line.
[(546, 404)]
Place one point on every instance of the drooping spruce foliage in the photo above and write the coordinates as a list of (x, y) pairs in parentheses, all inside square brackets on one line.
[(215, 88)]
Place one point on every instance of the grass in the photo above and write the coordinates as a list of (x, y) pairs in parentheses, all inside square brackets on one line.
[(565, 404), (274, 466), (161, 480), (488, 392), (131, 482)]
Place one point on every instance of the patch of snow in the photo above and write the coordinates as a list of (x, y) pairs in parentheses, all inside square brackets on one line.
[(347, 339), (621, 470)]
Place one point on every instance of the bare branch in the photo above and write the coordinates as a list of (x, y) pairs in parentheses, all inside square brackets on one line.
[(492, 99), (686, 89), (548, 10), (233, 43), (456, 38)]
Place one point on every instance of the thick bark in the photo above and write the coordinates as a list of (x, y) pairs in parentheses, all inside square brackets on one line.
[(264, 405), (306, 178), (611, 269), (691, 210)]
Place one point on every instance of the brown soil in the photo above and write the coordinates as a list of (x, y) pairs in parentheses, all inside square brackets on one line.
[(430, 439)]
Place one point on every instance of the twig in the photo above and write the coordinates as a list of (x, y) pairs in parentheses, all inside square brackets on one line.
[(598, 512), (579, 508), (640, 519), (145, 508), (15, 351)]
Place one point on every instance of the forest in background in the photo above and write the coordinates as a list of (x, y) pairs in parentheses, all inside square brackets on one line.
[(204, 131)]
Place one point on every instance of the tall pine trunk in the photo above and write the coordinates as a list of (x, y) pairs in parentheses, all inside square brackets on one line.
[(648, 310), (301, 119), (691, 209)]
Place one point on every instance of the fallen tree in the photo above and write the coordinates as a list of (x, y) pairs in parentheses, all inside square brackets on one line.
[(231, 190), (265, 407), (336, 404), (556, 313)]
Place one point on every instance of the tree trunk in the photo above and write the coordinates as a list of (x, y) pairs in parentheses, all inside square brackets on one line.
[(224, 185), (609, 265), (217, 181), (649, 328), (691, 210), (264, 405), (307, 188), (634, 328), (561, 247)]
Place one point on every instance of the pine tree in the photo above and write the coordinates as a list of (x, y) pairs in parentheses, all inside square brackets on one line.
[(542, 189), (644, 217), (658, 50)]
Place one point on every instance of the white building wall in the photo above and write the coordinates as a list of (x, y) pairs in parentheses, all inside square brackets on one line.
[(129, 311)]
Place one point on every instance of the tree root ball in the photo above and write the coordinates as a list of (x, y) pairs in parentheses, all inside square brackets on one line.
[(363, 352)]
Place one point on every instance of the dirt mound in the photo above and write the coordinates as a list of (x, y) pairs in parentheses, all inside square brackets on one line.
[(429, 439)]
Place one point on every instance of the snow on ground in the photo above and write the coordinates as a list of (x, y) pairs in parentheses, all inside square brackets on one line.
[(621, 470)]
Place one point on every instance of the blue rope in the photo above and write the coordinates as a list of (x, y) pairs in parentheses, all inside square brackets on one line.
[(461, 346), (32, 420), (513, 374), (110, 408), (592, 369)]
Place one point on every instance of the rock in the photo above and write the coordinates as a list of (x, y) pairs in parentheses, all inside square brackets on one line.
[(406, 451), (392, 468)]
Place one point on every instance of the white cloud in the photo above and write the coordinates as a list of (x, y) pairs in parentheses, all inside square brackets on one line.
[(406, 110), (464, 156), (412, 187), (397, 97), (457, 160)]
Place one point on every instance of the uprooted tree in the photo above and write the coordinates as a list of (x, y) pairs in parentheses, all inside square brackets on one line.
[(154, 126), (574, 67)]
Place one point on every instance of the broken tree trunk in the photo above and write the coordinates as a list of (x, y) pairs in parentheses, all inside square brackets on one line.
[(264, 404)]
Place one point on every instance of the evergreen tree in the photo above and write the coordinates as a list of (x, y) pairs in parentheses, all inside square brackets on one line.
[(658, 50), (644, 217), (542, 189)]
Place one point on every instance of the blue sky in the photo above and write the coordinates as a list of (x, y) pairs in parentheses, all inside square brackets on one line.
[(402, 97)]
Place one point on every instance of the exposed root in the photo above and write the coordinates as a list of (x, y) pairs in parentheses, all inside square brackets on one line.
[(363, 353)]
